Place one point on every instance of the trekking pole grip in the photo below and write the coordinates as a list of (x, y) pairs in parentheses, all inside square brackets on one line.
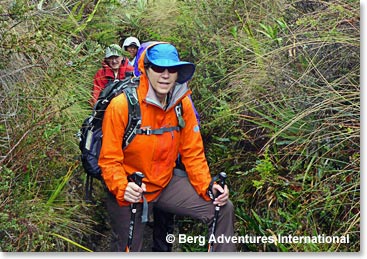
[(222, 179), (137, 178)]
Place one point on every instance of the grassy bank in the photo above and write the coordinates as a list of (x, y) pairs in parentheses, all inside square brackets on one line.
[(276, 85)]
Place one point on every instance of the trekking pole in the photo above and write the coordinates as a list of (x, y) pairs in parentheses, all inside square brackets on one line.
[(221, 181), (136, 178)]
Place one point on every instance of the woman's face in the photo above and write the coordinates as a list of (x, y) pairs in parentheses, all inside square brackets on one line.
[(132, 50), (162, 79)]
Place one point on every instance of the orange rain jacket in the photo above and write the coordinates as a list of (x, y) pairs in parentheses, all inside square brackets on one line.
[(153, 155)]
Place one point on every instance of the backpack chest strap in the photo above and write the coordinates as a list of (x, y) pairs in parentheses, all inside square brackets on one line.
[(149, 131)]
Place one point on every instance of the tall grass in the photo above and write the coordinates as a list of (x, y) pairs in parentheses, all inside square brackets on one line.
[(306, 181), (276, 85), (45, 85)]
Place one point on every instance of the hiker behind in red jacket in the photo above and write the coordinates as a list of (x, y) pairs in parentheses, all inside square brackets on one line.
[(162, 136), (114, 67)]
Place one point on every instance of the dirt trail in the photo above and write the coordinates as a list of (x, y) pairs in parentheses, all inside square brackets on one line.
[(101, 242)]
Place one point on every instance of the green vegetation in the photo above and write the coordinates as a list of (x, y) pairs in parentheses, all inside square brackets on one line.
[(276, 85)]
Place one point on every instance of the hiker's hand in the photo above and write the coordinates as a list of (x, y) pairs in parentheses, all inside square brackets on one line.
[(223, 196), (133, 192)]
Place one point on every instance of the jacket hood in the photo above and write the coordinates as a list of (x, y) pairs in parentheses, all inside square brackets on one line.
[(141, 56)]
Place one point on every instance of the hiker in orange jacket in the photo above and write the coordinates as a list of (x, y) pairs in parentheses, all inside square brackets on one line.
[(114, 67), (162, 86)]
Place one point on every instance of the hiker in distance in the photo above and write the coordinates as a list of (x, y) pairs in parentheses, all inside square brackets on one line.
[(131, 45), (114, 67), (162, 136)]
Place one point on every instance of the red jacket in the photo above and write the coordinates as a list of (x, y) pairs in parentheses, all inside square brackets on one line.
[(105, 75), (153, 155)]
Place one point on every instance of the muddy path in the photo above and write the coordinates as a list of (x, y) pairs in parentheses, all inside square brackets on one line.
[(101, 239)]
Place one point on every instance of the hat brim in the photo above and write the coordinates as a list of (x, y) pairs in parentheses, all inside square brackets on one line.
[(185, 72), (131, 45), (112, 55)]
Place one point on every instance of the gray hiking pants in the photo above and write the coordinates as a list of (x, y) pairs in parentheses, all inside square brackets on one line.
[(179, 198)]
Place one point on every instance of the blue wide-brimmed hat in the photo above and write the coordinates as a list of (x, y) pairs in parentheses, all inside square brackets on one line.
[(166, 55)]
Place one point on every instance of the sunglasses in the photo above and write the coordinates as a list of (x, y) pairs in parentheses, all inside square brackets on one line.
[(158, 69)]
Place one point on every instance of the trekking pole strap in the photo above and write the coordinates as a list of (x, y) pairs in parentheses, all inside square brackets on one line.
[(144, 214)]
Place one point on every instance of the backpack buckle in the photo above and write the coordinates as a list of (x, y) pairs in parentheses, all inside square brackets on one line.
[(181, 121), (146, 131)]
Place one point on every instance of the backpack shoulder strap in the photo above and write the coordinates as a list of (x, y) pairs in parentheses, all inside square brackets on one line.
[(125, 71), (179, 113), (181, 125), (124, 65), (134, 121)]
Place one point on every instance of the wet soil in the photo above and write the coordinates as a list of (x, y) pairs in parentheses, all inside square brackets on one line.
[(101, 240)]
